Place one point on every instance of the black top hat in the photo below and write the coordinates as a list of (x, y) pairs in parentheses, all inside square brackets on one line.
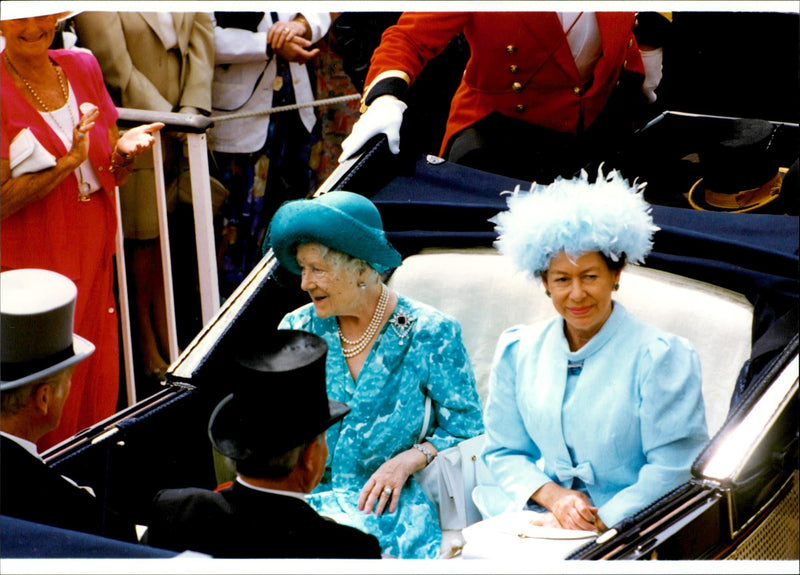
[(740, 170), (279, 398), (37, 308)]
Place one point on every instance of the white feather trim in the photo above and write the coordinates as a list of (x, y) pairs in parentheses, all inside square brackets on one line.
[(576, 217)]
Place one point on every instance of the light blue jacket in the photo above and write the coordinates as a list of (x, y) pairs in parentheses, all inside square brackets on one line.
[(628, 427)]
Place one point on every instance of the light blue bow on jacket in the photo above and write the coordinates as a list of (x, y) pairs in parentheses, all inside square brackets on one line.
[(582, 471)]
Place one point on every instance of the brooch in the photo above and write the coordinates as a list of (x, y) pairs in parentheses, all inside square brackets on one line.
[(574, 368), (401, 324)]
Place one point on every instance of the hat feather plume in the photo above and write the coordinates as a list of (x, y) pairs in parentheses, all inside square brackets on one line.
[(575, 216)]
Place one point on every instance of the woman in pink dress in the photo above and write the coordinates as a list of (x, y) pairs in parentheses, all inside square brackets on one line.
[(61, 157)]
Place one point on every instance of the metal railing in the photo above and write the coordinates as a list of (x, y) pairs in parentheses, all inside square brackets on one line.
[(195, 128)]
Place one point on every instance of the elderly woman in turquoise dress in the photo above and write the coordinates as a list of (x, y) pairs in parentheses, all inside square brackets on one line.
[(386, 353), (595, 414)]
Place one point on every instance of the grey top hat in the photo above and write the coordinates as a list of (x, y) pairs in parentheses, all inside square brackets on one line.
[(279, 398), (37, 309)]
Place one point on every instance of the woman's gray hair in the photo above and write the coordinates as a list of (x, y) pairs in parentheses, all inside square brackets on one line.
[(348, 264)]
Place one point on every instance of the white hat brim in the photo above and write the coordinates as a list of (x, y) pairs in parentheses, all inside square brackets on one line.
[(32, 9)]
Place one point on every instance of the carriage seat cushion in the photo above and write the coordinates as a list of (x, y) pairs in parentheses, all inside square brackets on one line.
[(482, 290)]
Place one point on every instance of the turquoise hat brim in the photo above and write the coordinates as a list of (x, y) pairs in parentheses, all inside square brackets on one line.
[(321, 221)]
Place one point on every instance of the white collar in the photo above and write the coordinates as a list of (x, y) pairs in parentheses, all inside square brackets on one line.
[(295, 494), (29, 446)]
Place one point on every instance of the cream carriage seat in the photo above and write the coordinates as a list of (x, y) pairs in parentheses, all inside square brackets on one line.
[(483, 291)]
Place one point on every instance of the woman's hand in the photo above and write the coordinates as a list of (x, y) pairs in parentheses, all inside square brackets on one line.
[(393, 474), (280, 33), (291, 40), (138, 139), (574, 511), (297, 50), (571, 509), (80, 133), (21, 191), (545, 520)]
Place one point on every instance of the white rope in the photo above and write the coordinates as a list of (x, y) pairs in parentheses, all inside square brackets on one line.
[(268, 111)]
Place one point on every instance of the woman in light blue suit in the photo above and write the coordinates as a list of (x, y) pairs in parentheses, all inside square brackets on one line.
[(595, 414)]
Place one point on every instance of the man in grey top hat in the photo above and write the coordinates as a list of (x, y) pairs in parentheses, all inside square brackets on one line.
[(39, 351), (273, 427)]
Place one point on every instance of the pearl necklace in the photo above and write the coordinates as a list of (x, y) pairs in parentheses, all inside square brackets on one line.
[(362, 342), (83, 186)]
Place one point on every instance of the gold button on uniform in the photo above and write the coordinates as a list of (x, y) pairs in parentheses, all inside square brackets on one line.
[(510, 49), (630, 42), (519, 108), (577, 90), (624, 64), (513, 68), (517, 87)]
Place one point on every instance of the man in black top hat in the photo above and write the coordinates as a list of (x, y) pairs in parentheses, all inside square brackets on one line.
[(273, 427), (39, 352)]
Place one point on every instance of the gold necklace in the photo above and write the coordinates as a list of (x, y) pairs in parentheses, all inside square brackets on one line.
[(83, 185)]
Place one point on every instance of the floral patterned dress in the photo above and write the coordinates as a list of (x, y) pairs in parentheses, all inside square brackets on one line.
[(419, 351)]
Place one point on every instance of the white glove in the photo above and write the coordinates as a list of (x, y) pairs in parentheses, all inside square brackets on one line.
[(652, 72), (384, 116)]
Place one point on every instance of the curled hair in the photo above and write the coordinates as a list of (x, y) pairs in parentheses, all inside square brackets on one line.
[(346, 263)]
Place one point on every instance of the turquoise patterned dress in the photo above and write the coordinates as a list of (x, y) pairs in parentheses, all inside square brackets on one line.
[(419, 351)]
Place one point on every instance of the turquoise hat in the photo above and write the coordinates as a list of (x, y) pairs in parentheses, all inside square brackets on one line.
[(343, 221)]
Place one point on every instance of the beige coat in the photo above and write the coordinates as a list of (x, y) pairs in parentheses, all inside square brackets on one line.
[(138, 69), (142, 73)]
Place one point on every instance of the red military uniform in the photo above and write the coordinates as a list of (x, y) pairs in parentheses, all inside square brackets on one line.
[(520, 66)]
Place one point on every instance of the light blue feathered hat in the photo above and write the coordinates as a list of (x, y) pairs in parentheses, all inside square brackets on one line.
[(576, 217)]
